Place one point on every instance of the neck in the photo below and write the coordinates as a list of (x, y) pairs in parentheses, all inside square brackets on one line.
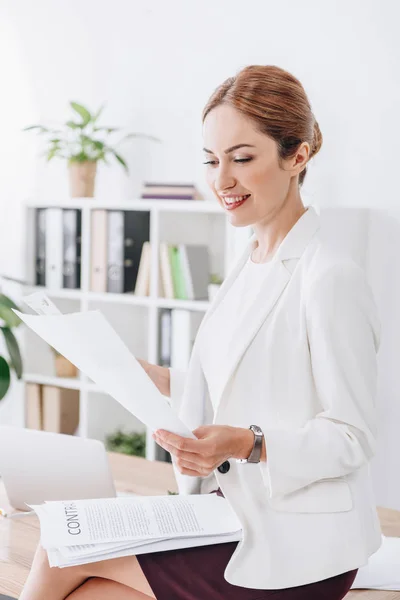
[(271, 232)]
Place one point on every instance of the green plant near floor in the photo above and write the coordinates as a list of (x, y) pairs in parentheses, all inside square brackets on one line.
[(81, 139), (127, 443), (8, 322)]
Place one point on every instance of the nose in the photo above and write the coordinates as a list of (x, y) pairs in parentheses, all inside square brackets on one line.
[(223, 179)]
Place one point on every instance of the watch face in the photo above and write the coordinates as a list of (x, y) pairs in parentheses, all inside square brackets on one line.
[(256, 429)]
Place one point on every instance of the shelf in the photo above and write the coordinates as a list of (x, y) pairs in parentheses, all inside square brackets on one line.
[(72, 383), (196, 206), (200, 305), (55, 293)]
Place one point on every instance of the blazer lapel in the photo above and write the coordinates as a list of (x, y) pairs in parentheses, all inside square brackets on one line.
[(275, 282), (277, 278)]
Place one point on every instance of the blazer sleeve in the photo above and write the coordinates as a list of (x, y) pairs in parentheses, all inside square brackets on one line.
[(177, 384), (344, 337)]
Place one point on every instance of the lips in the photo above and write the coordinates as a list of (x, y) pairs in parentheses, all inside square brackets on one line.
[(234, 205)]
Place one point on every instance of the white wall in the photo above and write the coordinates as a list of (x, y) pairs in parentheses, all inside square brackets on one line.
[(155, 63)]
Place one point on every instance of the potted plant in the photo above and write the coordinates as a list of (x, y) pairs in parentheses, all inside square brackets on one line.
[(133, 443), (9, 321), (213, 286), (83, 143)]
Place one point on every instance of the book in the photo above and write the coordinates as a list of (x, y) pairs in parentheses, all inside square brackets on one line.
[(142, 286), (84, 531), (178, 279), (195, 265), (166, 272)]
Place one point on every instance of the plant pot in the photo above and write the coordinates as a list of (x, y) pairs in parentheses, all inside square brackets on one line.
[(82, 177), (65, 368), (213, 289)]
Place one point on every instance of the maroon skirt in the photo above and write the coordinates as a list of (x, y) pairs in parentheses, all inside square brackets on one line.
[(198, 574)]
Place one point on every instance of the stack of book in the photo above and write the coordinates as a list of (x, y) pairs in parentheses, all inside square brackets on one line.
[(58, 248), (51, 408), (184, 271), (170, 191)]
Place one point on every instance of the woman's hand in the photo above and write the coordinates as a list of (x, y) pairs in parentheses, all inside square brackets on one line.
[(215, 444)]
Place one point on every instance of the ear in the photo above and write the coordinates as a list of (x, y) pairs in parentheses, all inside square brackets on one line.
[(301, 158)]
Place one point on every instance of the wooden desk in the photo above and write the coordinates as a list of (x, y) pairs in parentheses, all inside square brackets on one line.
[(19, 538)]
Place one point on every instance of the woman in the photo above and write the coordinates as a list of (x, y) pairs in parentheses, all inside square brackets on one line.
[(288, 348)]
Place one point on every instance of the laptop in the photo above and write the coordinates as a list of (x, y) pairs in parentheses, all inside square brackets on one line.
[(36, 466)]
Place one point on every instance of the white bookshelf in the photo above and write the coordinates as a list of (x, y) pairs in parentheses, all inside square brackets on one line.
[(135, 318)]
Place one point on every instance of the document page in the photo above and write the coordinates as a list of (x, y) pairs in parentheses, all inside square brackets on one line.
[(90, 343), (72, 523)]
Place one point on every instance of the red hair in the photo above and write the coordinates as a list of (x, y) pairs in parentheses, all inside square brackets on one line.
[(276, 103)]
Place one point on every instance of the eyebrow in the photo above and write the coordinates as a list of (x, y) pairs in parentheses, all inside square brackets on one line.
[(231, 148)]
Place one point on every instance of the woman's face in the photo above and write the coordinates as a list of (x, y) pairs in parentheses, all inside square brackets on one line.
[(253, 170)]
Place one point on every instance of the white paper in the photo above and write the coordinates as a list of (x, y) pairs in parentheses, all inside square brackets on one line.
[(56, 559), (90, 343), (106, 520)]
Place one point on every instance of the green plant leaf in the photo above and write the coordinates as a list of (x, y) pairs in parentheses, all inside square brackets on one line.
[(73, 125), (40, 127), (106, 129), (6, 314), (13, 350), (83, 112), (120, 159), (97, 115), (5, 378)]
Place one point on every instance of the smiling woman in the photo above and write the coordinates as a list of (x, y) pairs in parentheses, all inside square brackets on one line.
[(259, 133), (280, 387)]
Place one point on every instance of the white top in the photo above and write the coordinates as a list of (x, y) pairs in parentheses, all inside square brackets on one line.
[(215, 339), (217, 334)]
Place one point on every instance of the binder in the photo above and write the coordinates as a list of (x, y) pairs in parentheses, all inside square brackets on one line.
[(72, 231), (40, 246), (165, 337), (115, 252), (136, 233), (54, 248), (33, 406), (60, 409), (98, 251)]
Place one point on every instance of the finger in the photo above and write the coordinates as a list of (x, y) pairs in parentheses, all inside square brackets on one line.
[(201, 470), (186, 471), (190, 456), (180, 442)]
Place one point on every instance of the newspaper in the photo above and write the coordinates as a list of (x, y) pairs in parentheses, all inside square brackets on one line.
[(83, 531)]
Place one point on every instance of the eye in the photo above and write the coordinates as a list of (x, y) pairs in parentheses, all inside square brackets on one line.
[(237, 160)]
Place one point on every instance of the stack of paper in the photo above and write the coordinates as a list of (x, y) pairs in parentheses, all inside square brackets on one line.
[(83, 531)]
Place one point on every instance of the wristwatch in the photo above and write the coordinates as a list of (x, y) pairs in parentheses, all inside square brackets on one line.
[(255, 454)]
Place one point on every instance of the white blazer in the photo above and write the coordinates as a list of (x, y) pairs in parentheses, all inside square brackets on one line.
[(303, 367)]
